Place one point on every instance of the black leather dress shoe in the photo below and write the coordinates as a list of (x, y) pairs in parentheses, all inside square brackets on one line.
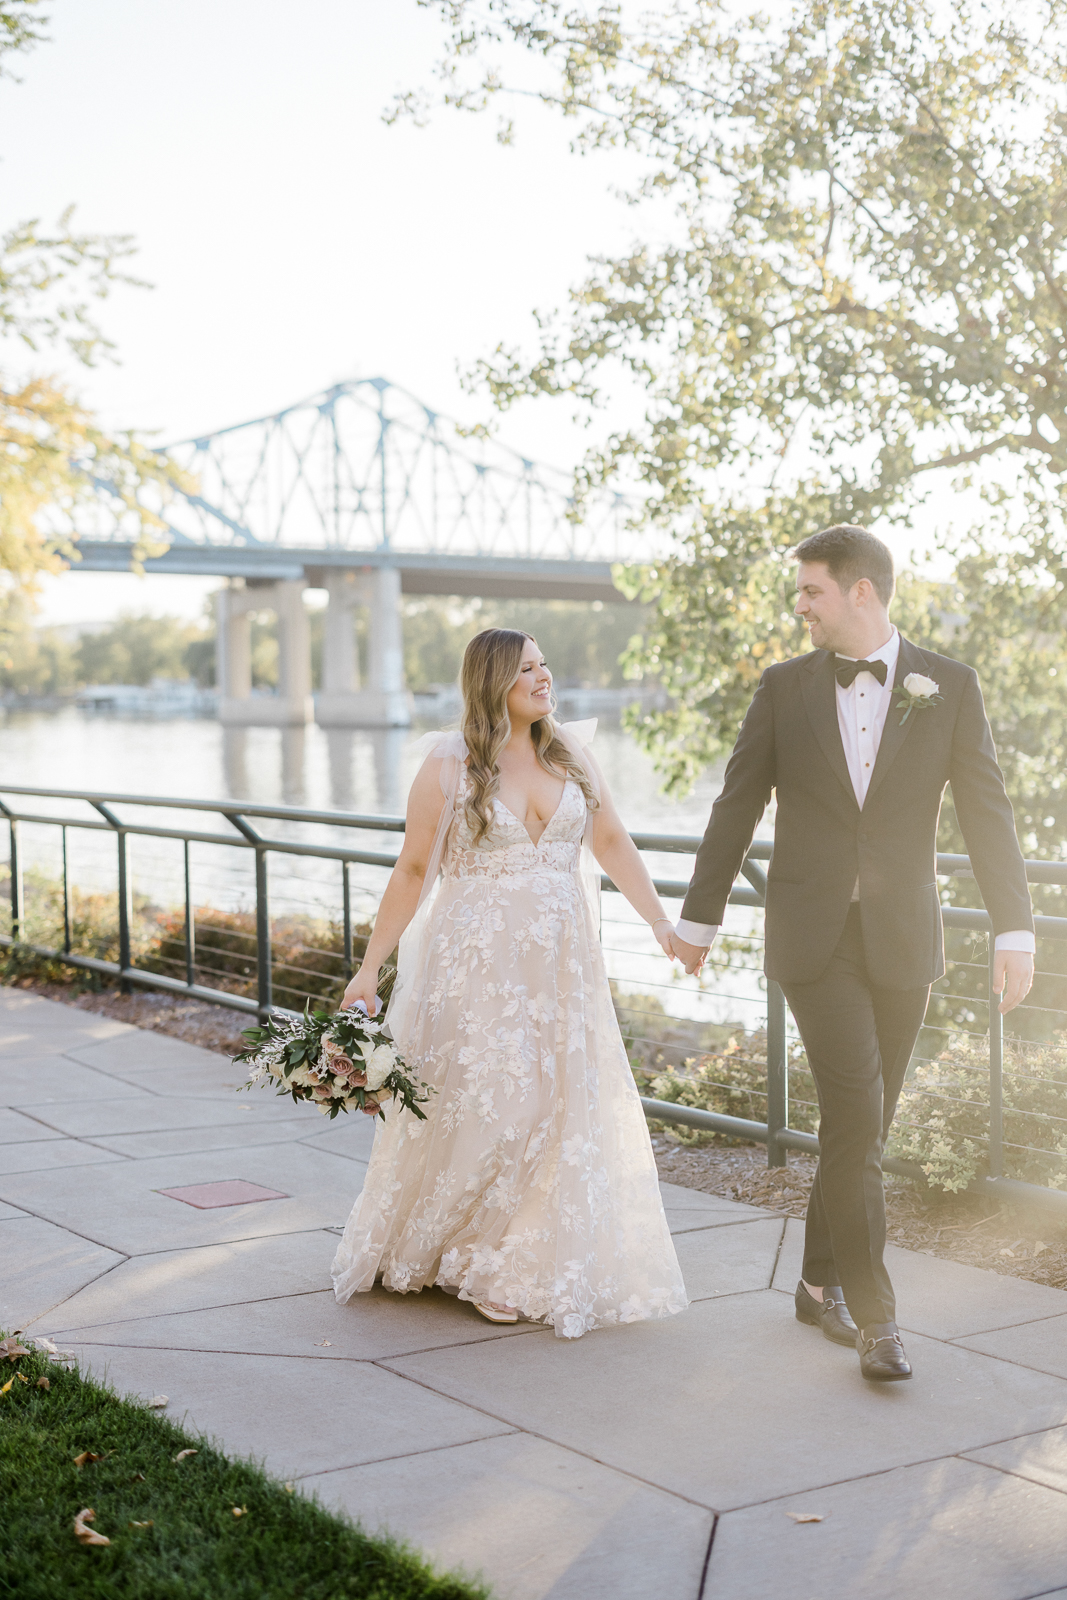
[(830, 1314), (882, 1357)]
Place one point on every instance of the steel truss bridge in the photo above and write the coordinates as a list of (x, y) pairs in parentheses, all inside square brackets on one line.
[(368, 493), (365, 475)]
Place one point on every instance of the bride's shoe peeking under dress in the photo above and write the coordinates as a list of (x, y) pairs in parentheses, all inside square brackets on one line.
[(532, 1183)]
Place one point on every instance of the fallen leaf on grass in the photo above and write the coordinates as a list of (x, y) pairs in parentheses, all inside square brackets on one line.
[(10, 1349), (289, 1488), (86, 1535), (140, 1524), (47, 1345), (1007, 1253), (21, 1376), (1039, 1245), (138, 1477), (804, 1516), (10, 1384), (183, 1453), (239, 1511), (86, 1458), (156, 1401), (44, 1383)]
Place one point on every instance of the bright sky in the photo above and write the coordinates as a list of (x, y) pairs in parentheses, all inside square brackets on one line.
[(291, 237)]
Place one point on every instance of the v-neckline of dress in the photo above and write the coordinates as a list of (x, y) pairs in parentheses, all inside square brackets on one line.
[(536, 843)]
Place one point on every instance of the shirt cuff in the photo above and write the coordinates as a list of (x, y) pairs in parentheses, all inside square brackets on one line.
[(1020, 940), (702, 934)]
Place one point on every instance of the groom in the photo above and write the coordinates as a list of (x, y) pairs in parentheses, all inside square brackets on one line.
[(859, 760)]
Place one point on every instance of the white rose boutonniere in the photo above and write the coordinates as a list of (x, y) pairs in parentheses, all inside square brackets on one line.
[(916, 693)]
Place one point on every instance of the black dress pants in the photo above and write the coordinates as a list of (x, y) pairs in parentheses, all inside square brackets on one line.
[(859, 1038)]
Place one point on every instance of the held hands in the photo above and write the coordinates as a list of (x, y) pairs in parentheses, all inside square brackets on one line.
[(692, 956), (364, 986), (1013, 973)]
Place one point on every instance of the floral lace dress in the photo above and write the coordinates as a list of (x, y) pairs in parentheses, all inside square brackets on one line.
[(532, 1181)]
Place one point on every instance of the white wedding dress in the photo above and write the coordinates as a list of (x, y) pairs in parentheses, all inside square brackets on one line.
[(532, 1180)]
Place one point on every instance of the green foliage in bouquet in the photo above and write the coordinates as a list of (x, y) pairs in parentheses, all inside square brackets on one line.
[(337, 1060)]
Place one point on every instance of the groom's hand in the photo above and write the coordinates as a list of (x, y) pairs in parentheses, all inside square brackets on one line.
[(690, 955), (1013, 973)]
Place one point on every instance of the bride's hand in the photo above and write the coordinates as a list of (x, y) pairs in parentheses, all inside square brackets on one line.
[(364, 986), (662, 931)]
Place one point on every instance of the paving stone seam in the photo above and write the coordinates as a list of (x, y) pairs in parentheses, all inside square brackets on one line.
[(199, 1150), (188, 1311), (276, 1355), (1014, 1472), (64, 1227), (546, 1438), (404, 1455), (1027, 1322), (702, 1585), (110, 1159), (1009, 1361), (727, 1294), (717, 1227), (111, 1077), (179, 1249), (881, 1472)]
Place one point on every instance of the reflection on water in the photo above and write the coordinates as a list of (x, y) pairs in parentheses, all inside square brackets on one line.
[(366, 770), (362, 770), (234, 763), (294, 756)]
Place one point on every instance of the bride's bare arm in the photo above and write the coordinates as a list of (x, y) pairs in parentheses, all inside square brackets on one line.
[(401, 897), (621, 860)]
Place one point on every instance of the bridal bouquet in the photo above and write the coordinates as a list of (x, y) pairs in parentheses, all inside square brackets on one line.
[(339, 1062)]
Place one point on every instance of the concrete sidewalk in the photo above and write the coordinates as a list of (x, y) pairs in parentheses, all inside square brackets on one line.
[(659, 1461)]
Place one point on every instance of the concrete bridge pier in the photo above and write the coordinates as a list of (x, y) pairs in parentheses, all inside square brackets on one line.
[(238, 706), (343, 701)]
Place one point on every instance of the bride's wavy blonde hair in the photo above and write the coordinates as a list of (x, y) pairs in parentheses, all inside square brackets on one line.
[(491, 665)]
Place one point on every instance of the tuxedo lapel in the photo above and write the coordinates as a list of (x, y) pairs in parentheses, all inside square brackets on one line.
[(819, 688), (896, 730)]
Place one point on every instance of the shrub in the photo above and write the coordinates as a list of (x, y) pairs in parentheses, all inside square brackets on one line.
[(942, 1121), (732, 1081)]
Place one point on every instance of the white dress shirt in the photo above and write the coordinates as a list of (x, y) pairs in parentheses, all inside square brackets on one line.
[(861, 712)]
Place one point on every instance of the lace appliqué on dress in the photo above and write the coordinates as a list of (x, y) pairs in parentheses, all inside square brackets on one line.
[(532, 1181)]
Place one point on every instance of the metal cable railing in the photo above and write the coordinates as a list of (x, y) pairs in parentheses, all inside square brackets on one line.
[(241, 831)]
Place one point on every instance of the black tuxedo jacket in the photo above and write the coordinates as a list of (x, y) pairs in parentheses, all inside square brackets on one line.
[(790, 742)]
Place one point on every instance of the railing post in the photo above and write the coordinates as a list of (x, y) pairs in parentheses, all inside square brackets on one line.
[(125, 908), (996, 1074), (67, 941), (777, 1076), (264, 985), (346, 895), (125, 895), (190, 926), (18, 909), (264, 982)]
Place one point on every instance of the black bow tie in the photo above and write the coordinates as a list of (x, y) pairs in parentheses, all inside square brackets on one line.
[(846, 670)]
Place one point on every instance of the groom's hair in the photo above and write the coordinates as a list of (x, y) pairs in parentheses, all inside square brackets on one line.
[(851, 554)]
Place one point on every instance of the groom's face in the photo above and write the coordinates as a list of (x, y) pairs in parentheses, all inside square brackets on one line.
[(829, 613)]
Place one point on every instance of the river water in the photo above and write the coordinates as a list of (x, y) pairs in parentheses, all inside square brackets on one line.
[(360, 770)]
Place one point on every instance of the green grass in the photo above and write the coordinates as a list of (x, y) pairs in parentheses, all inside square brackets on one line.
[(284, 1547)]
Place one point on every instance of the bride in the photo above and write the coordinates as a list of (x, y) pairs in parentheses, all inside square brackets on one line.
[(531, 1187)]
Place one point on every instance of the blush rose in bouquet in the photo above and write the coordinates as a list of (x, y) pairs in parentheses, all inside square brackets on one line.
[(340, 1061)]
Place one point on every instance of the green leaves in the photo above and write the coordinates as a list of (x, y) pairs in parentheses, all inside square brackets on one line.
[(861, 300)]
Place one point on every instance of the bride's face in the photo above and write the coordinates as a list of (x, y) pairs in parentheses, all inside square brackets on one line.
[(530, 697)]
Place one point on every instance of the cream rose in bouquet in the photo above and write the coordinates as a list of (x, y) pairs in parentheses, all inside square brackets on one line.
[(340, 1061)]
